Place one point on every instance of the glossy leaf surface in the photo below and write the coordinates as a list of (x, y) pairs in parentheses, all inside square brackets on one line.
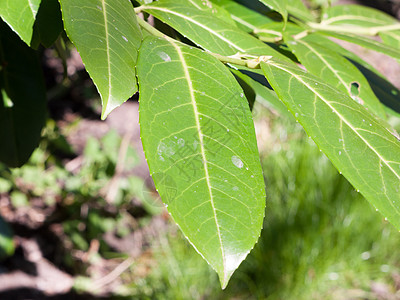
[(366, 153), (198, 136), (335, 70), (20, 15), (22, 99), (107, 37)]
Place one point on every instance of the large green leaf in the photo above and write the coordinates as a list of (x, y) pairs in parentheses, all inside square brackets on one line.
[(356, 142), (107, 36), (198, 136), (335, 70), (246, 19), (20, 15), (277, 5), (22, 99), (206, 31)]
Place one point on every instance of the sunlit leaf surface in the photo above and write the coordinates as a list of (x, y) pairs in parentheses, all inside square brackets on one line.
[(20, 15), (107, 36), (198, 136), (357, 143)]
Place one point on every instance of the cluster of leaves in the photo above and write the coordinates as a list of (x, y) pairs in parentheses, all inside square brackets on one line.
[(196, 125)]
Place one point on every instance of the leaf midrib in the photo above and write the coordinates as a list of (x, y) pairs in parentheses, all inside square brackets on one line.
[(203, 154), (339, 115), (107, 48), (198, 24)]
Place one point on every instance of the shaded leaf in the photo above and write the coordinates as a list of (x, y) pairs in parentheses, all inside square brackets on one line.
[(335, 70), (357, 143), (277, 5), (266, 96), (199, 141), (20, 15), (107, 36), (22, 99), (48, 24)]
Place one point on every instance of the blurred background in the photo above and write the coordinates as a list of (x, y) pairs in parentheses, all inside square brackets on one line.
[(82, 219)]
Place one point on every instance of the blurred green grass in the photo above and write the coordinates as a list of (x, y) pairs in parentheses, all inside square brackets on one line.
[(321, 239)]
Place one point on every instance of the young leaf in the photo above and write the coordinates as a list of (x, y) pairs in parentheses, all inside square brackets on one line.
[(206, 31), (277, 5), (20, 15), (22, 99), (198, 137), (359, 146), (335, 70), (107, 37)]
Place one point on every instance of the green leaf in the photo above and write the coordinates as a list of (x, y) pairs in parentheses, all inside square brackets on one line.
[(22, 99), (48, 24), (6, 240), (364, 42), (388, 94), (215, 10), (335, 70), (356, 142), (206, 31), (20, 15), (107, 36), (267, 97), (246, 19), (299, 10), (391, 38), (277, 5), (198, 137), (356, 15)]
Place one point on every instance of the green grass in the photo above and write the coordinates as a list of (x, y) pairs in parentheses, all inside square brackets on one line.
[(321, 239)]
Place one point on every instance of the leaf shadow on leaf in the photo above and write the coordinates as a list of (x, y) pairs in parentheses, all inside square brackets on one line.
[(386, 92), (48, 24)]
